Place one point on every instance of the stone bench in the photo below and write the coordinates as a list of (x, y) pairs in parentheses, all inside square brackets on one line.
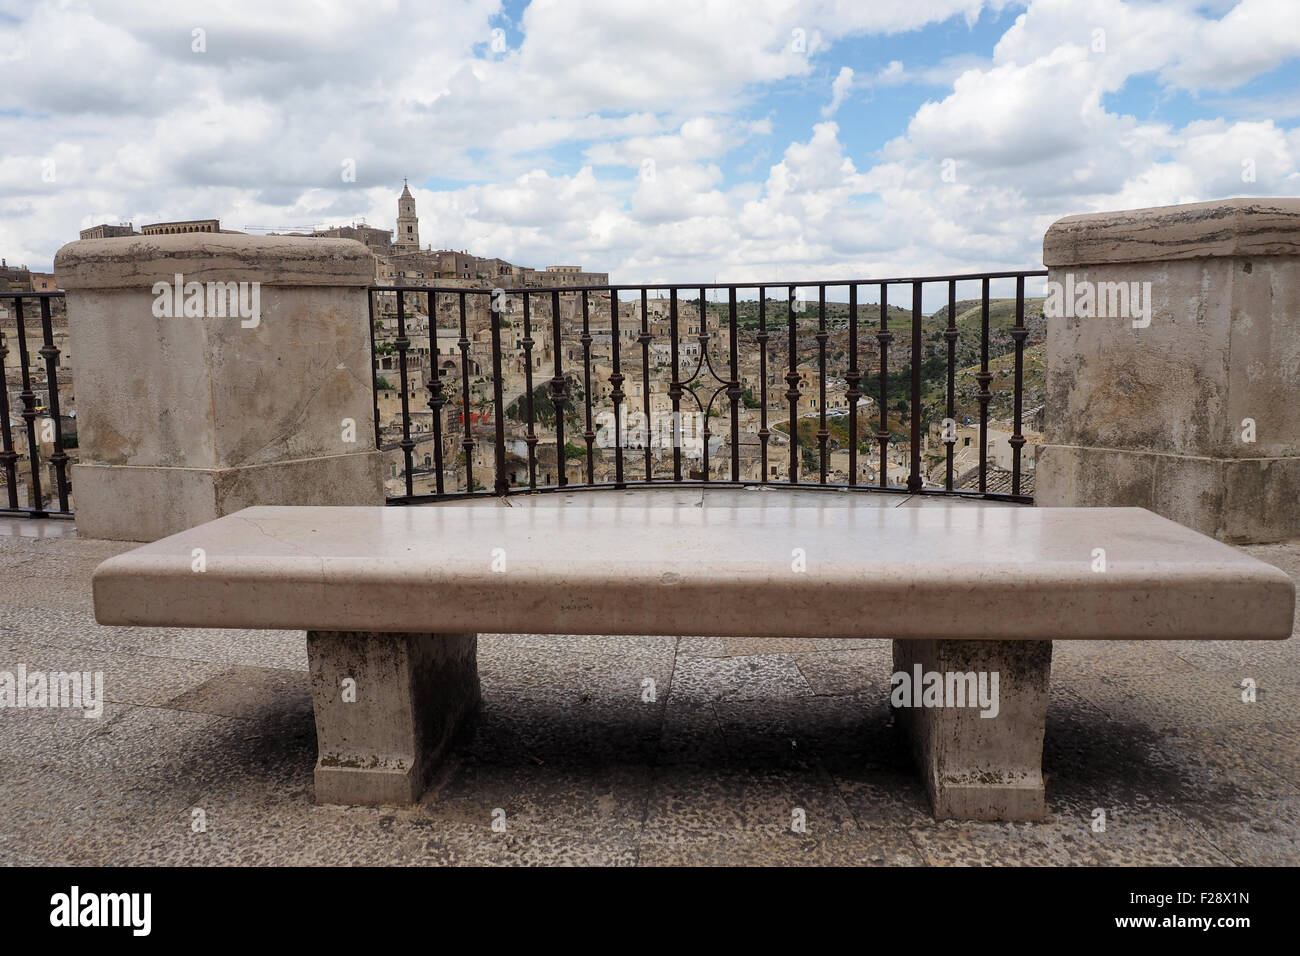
[(392, 600)]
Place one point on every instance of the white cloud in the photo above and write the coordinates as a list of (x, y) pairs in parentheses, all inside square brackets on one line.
[(703, 137), (891, 74), (840, 87), (537, 151)]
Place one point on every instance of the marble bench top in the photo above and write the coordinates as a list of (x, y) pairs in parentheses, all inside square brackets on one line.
[(967, 572)]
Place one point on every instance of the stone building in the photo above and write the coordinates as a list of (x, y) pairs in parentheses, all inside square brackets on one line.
[(181, 226), (408, 224), (14, 278), (406, 264), (106, 231), (378, 241)]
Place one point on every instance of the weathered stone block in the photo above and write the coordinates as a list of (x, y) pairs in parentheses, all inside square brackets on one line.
[(185, 415), (387, 706), (978, 767), (1193, 413)]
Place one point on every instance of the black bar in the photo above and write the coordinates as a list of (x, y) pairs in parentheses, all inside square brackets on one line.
[(853, 378), (645, 382), (914, 475), (884, 337), (434, 384), (1018, 334), (675, 387), (734, 390), (984, 377), (51, 355), (588, 435), (467, 414), (763, 433), (891, 280), (29, 412), (531, 437), (558, 392), (822, 433), (374, 374), (501, 483), (403, 343), (8, 457), (792, 383), (616, 392), (704, 356), (951, 334), (829, 488)]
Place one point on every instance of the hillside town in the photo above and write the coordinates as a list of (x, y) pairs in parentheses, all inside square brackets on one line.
[(448, 372), (463, 397)]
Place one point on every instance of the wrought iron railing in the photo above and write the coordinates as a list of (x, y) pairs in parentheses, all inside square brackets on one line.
[(481, 396), (30, 412)]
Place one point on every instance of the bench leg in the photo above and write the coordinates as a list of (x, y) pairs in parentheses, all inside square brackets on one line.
[(387, 707), (974, 767)]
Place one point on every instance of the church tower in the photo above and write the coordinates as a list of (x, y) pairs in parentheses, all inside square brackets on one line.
[(408, 224)]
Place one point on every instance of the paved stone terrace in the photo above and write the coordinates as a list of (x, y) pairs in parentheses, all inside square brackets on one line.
[(742, 732)]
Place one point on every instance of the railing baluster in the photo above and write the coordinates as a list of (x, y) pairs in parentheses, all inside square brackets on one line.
[(884, 337), (951, 334), (59, 458), (434, 384), (822, 433), (914, 483), (588, 435), (704, 356), (984, 377), (675, 386), (501, 484), (792, 383), (467, 413), (29, 411), (616, 394), (8, 456), (531, 437), (853, 379), (763, 433), (733, 391), (403, 343), (645, 383), (1019, 333), (374, 362), (559, 394)]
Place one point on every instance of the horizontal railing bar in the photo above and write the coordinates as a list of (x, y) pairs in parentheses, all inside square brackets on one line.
[(690, 286), (30, 512), (716, 485)]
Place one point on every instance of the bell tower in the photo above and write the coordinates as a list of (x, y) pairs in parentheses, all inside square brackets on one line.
[(408, 224)]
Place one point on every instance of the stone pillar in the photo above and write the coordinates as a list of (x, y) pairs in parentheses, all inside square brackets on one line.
[(1192, 409), (387, 707), (245, 381), (978, 767)]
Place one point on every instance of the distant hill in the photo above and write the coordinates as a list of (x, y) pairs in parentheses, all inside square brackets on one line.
[(1002, 313)]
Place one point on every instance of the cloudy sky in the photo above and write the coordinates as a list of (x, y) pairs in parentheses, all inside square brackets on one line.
[(674, 140)]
